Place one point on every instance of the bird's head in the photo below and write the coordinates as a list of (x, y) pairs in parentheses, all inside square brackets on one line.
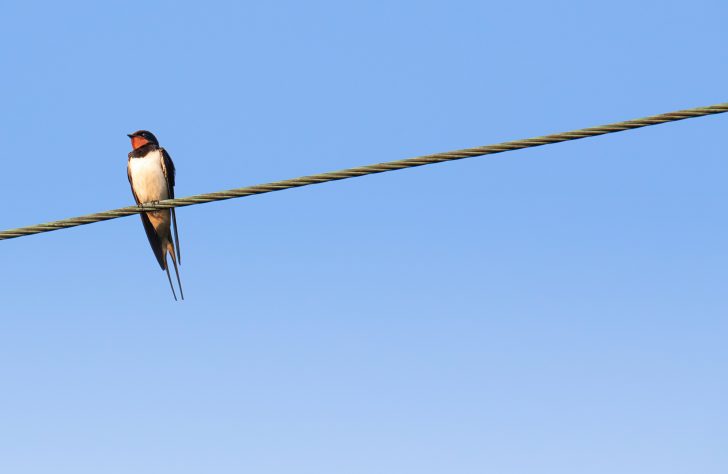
[(141, 138)]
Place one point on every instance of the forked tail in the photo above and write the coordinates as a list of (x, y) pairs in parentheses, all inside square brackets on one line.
[(166, 267), (173, 254)]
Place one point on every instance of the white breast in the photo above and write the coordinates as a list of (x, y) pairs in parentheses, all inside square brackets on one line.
[(147, 177)]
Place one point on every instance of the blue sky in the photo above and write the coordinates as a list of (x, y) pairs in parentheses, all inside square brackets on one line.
[(554, 310)]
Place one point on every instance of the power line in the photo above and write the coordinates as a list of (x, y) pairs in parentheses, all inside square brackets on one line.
[(369, 169)]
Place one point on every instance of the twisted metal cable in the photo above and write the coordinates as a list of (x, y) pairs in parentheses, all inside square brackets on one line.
[(366, 170)]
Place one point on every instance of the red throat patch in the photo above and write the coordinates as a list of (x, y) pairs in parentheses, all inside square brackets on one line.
[(137, 142)]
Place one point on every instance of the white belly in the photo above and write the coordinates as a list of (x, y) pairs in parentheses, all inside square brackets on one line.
[(147, 177)]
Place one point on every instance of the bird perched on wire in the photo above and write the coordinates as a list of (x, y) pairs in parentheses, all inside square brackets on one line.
[(151, 175)]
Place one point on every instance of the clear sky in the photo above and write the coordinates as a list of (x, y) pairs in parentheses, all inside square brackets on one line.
[(555, 310)]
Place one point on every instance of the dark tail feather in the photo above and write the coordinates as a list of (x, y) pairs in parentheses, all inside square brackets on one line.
[(176, 240), (170, 281), (176, 271)]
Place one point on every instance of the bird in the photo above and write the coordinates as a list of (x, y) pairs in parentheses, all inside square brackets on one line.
[(151, 176)]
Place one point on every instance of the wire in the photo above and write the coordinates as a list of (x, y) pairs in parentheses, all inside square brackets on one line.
[(366, 170)]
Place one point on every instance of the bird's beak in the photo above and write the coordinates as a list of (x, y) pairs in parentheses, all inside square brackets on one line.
[(130, 135)]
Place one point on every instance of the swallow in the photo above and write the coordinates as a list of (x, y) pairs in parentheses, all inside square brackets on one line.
[(151, 175)]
